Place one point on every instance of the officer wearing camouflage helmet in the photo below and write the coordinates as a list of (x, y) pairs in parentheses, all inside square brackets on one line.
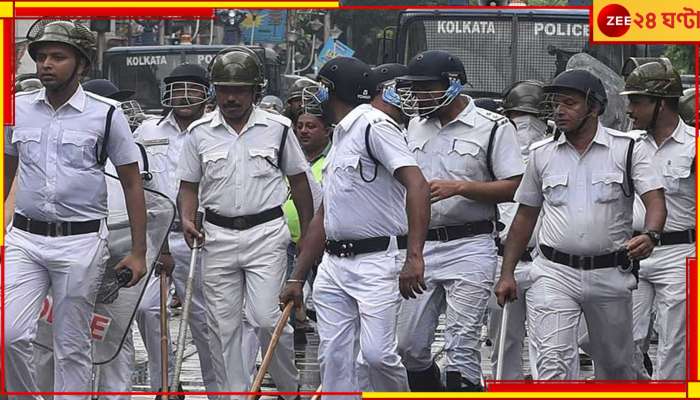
[(654, 90), (686, 107), (58, 237), (583, 179), (233, 165), (522, 105), (185, 92)]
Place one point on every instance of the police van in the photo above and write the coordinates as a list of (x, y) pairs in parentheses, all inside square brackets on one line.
[(499, 46), (142, 68)]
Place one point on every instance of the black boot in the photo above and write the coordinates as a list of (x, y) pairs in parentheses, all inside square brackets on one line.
[(455, 383), (648, 365), (425, 381)]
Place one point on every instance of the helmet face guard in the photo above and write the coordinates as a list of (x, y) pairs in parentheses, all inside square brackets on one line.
[(313, 98), (132, 111), (390, 95), (184, 94), (423, 103)]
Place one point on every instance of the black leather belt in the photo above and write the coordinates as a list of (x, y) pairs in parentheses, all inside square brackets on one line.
[(55, 228), (243, 222), (610, 260), (526, 256), (679, 237), (453, 232), (349, 248)]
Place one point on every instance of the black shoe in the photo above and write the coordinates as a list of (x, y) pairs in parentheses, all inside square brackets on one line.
[(299, 338), (173, 397), (426, 381), (311, 314), (648, 365), (455, 383)]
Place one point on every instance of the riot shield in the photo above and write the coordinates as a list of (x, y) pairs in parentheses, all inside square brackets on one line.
[(113, 315), (615, 115)]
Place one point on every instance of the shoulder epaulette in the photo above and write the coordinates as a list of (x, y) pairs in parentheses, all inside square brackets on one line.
[(540, 143), (105, 100), (382, 120), (635, 135), (500, 119), (205, 119), (281, 119), (27, 92)]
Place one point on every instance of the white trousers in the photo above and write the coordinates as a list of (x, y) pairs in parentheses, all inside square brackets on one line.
[(357, 301), (460, 276), (662, 279), (72, 267), (515, 329), (558, 296), (246, 268)]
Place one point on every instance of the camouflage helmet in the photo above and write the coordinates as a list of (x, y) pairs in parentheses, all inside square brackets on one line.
[(524, 96), (656, 78), (68, 33), (238, 66), (686, 106), (298, 86)]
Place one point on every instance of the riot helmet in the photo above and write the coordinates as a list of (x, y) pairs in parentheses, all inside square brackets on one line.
[(187, 85)]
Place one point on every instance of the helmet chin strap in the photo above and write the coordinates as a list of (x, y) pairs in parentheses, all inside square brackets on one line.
[(654, 118)]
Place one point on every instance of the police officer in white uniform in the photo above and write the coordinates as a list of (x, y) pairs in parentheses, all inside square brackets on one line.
[(233, 165), (58, 238), (185, 93), (654, 89), (521, 104), (472, 161), (375, 202), (583, 180)]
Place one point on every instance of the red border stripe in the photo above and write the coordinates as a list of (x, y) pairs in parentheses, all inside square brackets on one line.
[(115, 12), (9, 63)]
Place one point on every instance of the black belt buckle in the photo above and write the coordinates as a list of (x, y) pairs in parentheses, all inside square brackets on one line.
[(585, 263), (441, 233), (239, 224)]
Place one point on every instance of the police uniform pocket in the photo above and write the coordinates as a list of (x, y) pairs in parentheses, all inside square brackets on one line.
[(78, 148), (607, 186), (263, 161), (554, 189), (215, 164), (346, 172), (157, 158), (674, 176), (28, 142), (463, 158)]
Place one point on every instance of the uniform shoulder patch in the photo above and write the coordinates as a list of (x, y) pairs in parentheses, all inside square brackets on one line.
[(281, 119), (540, 143), (500, 119)]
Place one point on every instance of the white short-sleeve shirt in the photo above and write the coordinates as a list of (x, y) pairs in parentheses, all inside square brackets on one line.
[(673, 162), (59, 178), (238, 173), (354, 208), (457, 151), (585, 210)]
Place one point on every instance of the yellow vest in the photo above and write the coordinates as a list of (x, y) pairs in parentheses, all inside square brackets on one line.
[(290, 211)]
